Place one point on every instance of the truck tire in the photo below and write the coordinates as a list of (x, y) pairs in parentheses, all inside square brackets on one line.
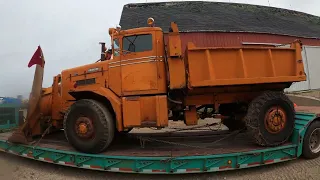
[(89, 126), (311, 141), (270, 118)]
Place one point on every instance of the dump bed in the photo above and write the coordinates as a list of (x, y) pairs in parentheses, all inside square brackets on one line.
[(243, 65)]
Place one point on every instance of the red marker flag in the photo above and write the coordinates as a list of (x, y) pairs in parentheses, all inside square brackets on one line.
[(37, 58)]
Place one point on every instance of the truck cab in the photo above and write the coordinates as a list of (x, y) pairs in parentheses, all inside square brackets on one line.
[(138, 65), (137, 74), (133, 82)]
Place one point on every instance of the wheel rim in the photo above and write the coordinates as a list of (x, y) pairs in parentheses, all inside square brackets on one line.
[(84, 128), (314, 140), (275, 120)]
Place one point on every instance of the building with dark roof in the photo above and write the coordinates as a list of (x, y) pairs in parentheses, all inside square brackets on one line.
[(225, 24)]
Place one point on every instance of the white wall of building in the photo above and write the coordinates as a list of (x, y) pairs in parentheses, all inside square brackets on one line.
[(311, 60)]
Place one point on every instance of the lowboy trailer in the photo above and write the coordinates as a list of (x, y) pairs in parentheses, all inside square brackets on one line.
[(179, 152)]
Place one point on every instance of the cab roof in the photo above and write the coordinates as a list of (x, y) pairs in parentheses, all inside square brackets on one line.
[(139, 30)]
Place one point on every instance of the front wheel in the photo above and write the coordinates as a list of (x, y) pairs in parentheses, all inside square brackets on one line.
[(89, 126), (311, 141), (270, 118)]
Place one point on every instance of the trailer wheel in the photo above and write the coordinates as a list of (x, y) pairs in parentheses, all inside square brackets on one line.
[(89, 126), (270, 118), (311, 141)]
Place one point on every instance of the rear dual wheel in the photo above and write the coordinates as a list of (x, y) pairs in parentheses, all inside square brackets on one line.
[(89, 126), (270, 118)]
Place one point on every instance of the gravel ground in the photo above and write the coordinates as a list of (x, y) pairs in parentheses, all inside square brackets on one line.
[(15, 167)]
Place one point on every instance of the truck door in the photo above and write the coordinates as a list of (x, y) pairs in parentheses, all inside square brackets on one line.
[(140, 64)]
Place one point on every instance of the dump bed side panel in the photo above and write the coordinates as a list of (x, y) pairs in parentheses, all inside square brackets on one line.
[(248, 65)]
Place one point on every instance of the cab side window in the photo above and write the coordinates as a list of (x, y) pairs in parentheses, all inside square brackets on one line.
[(137, 43)]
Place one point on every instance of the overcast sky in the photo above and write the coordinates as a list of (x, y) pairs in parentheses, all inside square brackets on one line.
[(68, 32)]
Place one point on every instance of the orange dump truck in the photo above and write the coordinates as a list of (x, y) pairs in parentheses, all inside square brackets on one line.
[(148, 82)]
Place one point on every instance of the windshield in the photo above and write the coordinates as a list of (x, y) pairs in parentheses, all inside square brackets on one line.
[(137, 43)]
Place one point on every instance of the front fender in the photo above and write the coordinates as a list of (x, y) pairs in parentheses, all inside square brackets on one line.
[(114, 100)]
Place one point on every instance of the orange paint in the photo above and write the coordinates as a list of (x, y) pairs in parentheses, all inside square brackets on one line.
[(237, 66), (191, 117), (176, 64), (147, 111)]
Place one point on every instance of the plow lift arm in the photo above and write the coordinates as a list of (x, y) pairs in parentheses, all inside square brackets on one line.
[(31, 125)]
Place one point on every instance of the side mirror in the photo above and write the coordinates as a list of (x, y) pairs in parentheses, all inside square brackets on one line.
[(103, 49)]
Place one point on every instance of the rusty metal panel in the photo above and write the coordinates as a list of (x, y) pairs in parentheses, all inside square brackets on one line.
[(222, 39)]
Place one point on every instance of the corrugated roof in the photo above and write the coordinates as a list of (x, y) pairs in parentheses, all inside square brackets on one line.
[(199, 16)]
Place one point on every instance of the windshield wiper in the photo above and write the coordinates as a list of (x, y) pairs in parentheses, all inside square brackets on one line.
[(132, 44)]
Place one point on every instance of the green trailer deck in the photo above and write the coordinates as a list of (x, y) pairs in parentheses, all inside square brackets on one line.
[(168, 153)]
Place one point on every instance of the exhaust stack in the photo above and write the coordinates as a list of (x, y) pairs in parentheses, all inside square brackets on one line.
[(103, 50)]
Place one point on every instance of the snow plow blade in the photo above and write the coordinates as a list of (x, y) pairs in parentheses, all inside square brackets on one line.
[(18, 137), (31, 126)]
